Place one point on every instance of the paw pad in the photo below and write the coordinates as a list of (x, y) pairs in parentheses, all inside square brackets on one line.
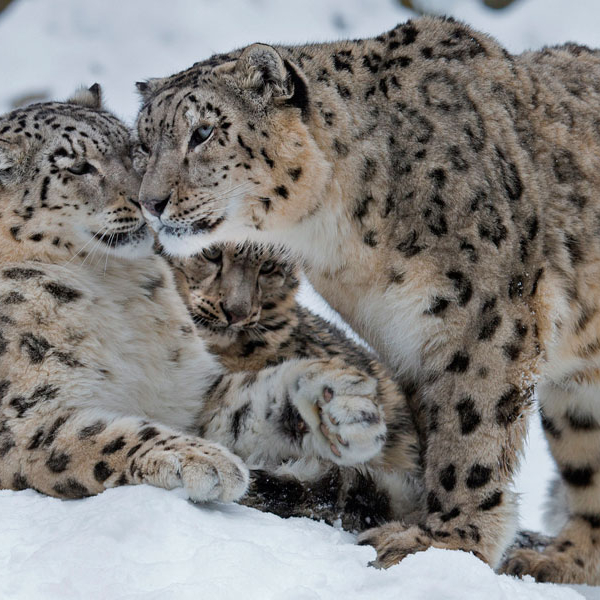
[(327, 394)]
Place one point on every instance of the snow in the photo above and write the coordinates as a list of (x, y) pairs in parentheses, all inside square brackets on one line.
[(142, 542)]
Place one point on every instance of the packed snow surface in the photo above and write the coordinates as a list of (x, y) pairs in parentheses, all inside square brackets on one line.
[(144, 542), (141, 542)]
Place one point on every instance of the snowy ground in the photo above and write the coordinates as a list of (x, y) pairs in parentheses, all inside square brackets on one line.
[(150, 544), (147, 543)]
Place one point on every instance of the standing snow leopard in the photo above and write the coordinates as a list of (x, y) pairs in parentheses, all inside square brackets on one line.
[(242, 299), (443, 195), (102, 375)]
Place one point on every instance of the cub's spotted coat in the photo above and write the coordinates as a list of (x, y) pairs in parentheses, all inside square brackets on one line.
[(102, 374), (243, 302), (444, 196)]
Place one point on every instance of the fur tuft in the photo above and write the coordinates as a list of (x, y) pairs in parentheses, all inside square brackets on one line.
[(90, 97), (147, 88)]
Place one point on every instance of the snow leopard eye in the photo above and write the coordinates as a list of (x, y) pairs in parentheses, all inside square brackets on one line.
[(267, 267), (212, 254), (84, 168), (201, 135)]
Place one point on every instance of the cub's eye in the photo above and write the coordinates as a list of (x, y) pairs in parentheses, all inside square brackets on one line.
[(212, 254), (200, 135), (267, 267), (83, 168)]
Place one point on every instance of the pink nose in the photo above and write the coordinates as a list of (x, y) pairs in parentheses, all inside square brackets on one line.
[(156, 207), (234, 315)]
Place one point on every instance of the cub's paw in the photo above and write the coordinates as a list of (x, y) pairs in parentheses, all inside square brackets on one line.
[(339, 406), (393, 542), (205, 470)]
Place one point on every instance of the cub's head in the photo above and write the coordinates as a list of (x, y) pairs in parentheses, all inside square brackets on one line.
[(230, 288), (67, 183), (226, 150)]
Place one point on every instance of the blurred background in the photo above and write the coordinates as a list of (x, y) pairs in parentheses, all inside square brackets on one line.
[(48, 48)]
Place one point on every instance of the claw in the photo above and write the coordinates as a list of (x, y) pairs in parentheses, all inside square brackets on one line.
[(324, 430), (335, 450), (517, 569), (327, 394), (543, 575), (342, 441), (333, 420)]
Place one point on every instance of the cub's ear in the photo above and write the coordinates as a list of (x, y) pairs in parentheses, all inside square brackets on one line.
[(12, 157), (90, 98), (263, 71), (148, 87)]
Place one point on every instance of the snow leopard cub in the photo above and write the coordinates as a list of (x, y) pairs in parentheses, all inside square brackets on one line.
[(242, 299), (101, 372)]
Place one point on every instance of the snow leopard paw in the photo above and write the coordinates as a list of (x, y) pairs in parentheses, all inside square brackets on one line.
[(206, 471), (339, 405)]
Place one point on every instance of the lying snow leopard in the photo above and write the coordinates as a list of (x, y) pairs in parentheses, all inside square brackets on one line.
[(242, 299), (444, 197), (102, 374)]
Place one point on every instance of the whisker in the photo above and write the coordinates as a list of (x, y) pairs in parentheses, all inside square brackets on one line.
[(82, 249), (108, 252), (93, 250)]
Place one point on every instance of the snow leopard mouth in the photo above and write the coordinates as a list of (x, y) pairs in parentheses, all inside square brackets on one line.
[(230, 330), (197, 227), (123, 238)]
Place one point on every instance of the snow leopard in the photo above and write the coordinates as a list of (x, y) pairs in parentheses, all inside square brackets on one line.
[(243, 301), (102, 375), (442, 194)]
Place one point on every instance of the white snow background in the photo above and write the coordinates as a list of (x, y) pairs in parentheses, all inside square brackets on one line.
[(143, 542)]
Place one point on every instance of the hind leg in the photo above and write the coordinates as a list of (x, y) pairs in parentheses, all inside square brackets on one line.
[(571, 420)]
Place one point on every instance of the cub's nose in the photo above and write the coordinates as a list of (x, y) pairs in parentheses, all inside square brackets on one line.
[(234, 314), (155, 206)]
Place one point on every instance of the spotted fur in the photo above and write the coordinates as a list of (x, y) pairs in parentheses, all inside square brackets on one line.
[(259, 287), (443, 195), (102, 376)]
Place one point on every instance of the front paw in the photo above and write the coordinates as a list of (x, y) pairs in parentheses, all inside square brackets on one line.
[(206, 471), (571, 557), (394, 541), (550, 565), (339, 405)]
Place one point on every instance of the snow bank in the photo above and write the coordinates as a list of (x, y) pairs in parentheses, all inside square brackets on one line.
[(144, 542)]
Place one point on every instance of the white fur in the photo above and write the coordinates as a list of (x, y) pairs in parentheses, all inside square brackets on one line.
[(579, 398), (134, 341)]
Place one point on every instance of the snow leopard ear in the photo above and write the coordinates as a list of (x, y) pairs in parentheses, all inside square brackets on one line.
[(263, 71), (260, 68), (90, 98), (147, 88), (12, 156)]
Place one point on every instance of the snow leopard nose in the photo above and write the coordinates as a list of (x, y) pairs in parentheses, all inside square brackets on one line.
[(234, 314), (156, 206)]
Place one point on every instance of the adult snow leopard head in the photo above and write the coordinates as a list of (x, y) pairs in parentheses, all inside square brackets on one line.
[(226, 145), (67, 181)]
